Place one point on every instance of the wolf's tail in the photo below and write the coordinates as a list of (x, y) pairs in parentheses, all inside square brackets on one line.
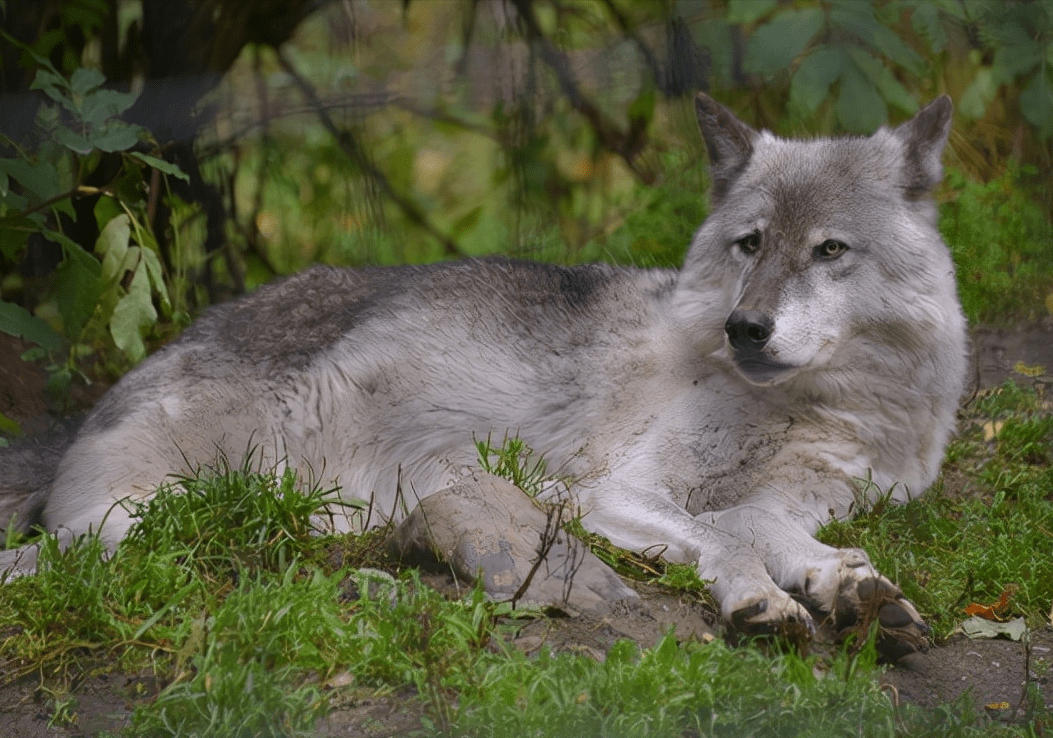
[(27, 469)]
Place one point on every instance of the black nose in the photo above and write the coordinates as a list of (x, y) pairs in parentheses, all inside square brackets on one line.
[(748, 330)]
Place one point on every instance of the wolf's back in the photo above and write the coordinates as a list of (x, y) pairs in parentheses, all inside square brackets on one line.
[(29, 468)]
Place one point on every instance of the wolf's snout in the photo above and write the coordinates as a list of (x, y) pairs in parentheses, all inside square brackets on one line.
[(748, 330)]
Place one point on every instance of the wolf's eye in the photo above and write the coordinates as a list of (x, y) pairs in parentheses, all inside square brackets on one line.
[(830, 249), (749, 244)]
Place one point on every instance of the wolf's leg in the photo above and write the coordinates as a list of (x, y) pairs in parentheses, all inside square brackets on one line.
[(749, 598), (840, 582)]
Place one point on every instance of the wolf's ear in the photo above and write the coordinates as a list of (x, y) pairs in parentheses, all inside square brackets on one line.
[(924, 137), (728, 140)]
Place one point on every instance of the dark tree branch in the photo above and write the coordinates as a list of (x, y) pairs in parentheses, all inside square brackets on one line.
[(352, 148), (628, 145)]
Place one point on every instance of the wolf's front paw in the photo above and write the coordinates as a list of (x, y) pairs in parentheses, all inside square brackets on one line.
[(901, 629), (778, 616)]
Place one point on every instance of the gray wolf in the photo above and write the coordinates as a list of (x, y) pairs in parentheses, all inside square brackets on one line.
[(720, 413)]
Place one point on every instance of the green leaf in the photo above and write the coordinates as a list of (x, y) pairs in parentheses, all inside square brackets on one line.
[(84, 79), (13, 201), (466, 222), (56, 87), (773, 46), (858, 19), (77, 293), (40, 178), (45, 78), (72, 141), (642, 108), (13, 236), (890, 88), (860, 107), (41, 61), (160, 164), (811, 82), (9, 426), (116, 137), (77, 286), (106, 209), (973, 103), (17, 321), (926, 21), (1036, 103), (157, 277), (896, 51), (747, 11), (134, 313), (717, 36), (112, 245), (102, 105), (1012, 60)]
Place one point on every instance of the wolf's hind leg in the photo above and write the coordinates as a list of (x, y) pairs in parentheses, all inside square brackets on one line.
[(839, 582)]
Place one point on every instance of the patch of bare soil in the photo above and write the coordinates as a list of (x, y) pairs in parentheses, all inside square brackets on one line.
[(23, 390), (1023, 354), (993, 672)]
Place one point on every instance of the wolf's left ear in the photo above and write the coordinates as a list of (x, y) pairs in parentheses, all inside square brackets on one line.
[(924, 137)]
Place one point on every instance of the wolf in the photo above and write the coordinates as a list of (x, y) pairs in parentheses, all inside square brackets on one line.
[(807, 358)]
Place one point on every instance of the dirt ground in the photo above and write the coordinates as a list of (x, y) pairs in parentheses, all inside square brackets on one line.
[(993, 671)]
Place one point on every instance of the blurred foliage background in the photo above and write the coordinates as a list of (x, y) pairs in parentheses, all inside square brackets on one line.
[(157, 156)]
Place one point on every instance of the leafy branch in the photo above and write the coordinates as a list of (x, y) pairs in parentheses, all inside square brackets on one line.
[(82, 129)]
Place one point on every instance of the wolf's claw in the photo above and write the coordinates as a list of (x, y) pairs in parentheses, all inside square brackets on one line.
[(786, 619)]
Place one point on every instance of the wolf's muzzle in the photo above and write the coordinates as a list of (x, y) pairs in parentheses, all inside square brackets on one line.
[(748, 332)]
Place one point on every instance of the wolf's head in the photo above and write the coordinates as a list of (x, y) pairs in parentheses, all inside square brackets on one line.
[(822, 254)]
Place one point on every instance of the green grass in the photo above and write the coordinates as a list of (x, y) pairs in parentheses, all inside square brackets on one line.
[(227, 521), (515, 461), (187, 549), (1002, 243), (700, 690)]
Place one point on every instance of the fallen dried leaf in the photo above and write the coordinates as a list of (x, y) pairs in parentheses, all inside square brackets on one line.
[(1036, 370), (975, 627), (992, 611), (991, 430)]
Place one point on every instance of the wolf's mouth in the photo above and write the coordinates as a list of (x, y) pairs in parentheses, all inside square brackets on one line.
[(759, 368)]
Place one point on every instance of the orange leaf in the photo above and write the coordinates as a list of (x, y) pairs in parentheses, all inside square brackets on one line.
[(991, 612)]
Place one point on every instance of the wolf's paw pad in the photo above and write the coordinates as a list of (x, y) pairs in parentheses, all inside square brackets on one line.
[(902, 630)]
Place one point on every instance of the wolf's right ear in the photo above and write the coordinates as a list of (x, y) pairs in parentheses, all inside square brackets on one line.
[(924, 137), (728, 140)]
